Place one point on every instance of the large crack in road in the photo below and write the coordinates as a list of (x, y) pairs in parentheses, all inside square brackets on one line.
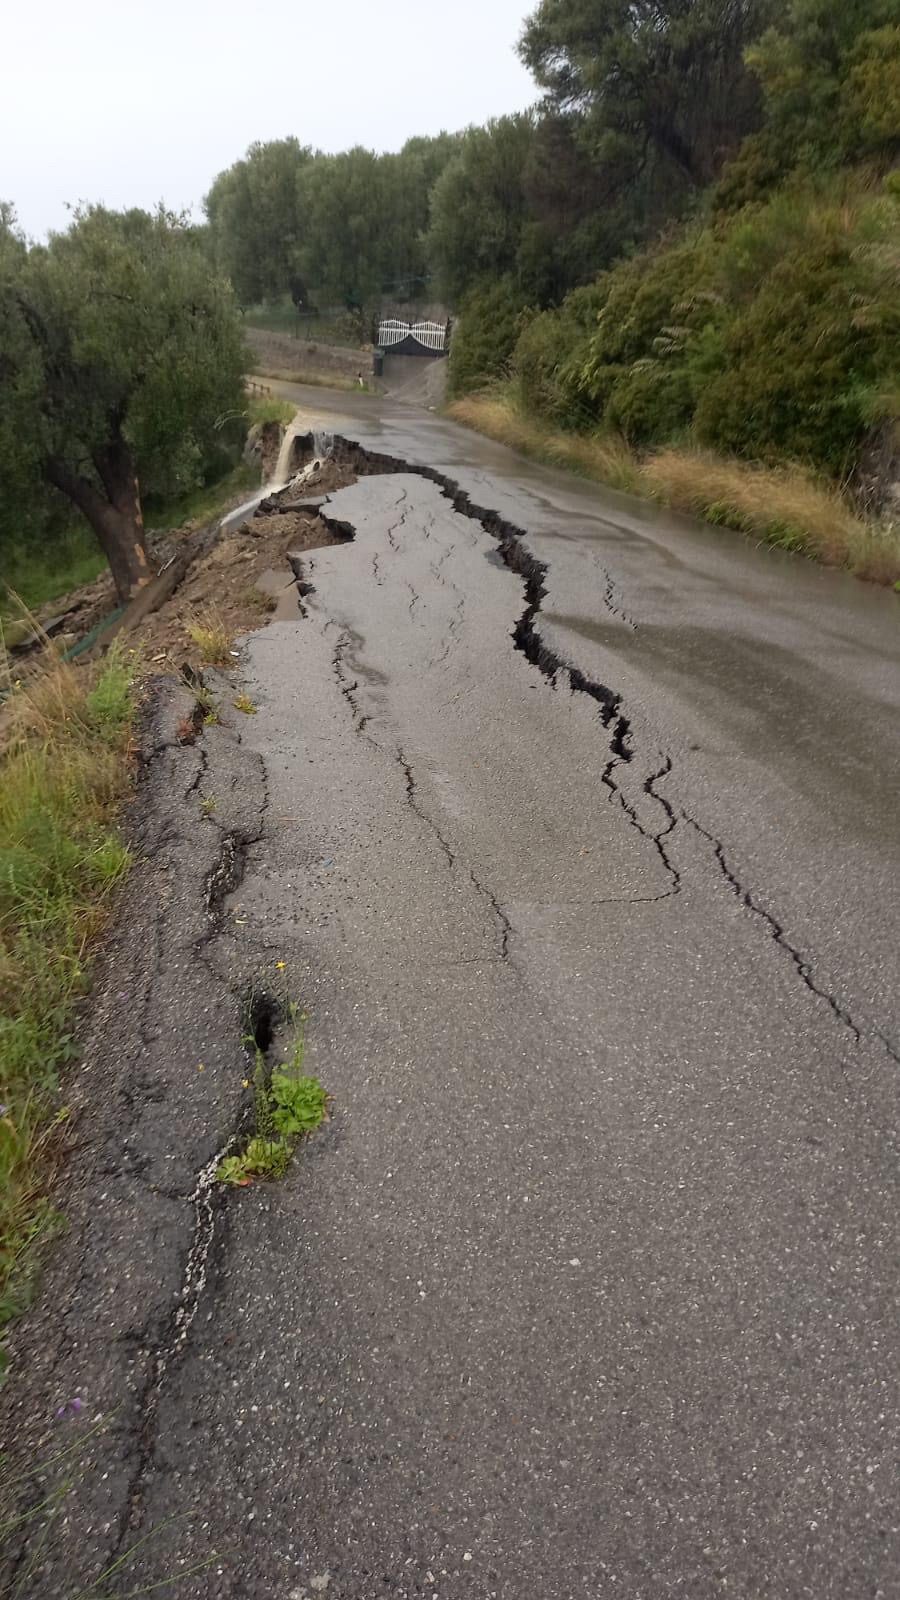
[(512, 542)]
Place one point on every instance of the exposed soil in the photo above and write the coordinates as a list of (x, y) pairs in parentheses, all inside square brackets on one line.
[(221, 586)]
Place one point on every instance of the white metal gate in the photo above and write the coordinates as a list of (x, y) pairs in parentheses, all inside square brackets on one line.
[(430, 335)]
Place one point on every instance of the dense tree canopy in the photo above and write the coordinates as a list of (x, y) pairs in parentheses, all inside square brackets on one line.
[(254, 221), (772, 330), (348, 228), (831, 78), (120, 353), (651, 79), (478, 206)]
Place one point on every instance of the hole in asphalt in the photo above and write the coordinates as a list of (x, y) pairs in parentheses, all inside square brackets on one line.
[(262, 1014)]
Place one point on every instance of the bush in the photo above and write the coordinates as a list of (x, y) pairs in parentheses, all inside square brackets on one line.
[(635, 371), (652, 400), (813, 333), (485, 336), (773, 334), (547, 345)]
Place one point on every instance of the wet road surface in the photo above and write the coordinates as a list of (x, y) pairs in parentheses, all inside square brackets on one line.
[(574, 826)]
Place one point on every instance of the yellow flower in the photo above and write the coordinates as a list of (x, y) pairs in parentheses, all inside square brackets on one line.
[(245, 1083), (280, 966)]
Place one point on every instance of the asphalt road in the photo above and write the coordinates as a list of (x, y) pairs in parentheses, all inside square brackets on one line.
[(574, 828)]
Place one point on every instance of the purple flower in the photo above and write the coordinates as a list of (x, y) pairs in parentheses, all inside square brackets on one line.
[(71, 1409), (3, 1110)]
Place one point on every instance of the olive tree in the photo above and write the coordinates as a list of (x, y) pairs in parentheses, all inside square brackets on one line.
[(120, 354)]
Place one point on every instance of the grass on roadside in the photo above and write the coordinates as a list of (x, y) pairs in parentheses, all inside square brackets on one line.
[(206, 629), (783, 506), (269, 408), (315, 380), (339, 328), (607, 460), (203, 504), (40, 575), (63, 774)]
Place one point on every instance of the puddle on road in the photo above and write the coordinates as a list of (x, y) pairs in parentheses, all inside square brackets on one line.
[(280, 583)]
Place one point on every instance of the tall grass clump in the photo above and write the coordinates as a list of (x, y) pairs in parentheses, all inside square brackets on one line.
[(63, 771)]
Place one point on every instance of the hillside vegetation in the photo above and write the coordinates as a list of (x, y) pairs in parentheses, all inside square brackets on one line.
[(764, 328)]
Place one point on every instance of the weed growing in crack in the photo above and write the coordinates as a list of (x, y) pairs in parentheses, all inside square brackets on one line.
[(208, 805), (259, 601), (288, 1105), (208, 632), (245, 704)]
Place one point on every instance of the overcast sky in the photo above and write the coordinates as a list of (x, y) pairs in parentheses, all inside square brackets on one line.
[(132, 101)]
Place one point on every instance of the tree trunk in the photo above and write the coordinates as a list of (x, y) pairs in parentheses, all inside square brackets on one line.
[(114, 516)]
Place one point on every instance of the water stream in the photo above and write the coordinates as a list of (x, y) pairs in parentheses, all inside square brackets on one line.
[(282, 477)]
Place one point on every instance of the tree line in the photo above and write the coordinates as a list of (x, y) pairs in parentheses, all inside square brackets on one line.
[(349, 228), (642, 104)]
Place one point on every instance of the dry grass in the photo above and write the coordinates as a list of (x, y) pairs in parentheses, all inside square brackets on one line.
[(605, 459), (309, 378), (207, 630), (783, 506)]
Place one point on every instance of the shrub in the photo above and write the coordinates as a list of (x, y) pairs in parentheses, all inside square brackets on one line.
[(485, 336), (547, 346), (813, 332), (651, 400)]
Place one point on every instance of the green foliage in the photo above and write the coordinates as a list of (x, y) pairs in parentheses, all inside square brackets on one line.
[(122, 355), (50, 562), (544, 349), (664, 83), (485, 335), (254, 219), (262, 1158), (870, 93), (109, 705), (813, 334), (478, 206), (59, 860), (352, 224), (773, 336), (831, 80), (299, 1104), (288, 1106)]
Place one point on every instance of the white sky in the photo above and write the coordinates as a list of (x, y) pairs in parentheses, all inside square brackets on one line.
[(133, 101)]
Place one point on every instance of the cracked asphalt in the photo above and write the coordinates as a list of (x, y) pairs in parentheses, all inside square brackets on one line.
[(574, 828)]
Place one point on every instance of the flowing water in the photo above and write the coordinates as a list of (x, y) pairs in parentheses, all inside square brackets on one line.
[(323, 445)]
